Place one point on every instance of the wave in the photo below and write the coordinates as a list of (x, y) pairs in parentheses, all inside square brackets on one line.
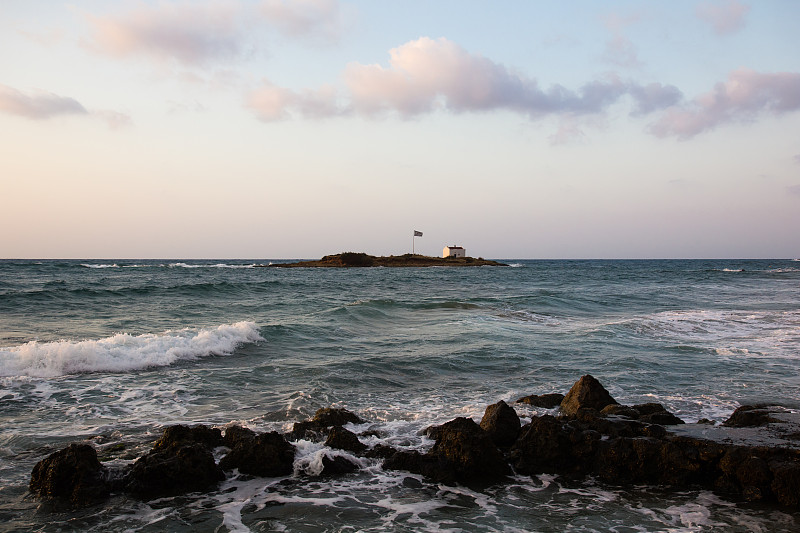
[(123, 352), (90, 265)]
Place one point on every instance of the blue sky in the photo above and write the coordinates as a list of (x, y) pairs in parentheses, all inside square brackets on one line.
[(275, 129)]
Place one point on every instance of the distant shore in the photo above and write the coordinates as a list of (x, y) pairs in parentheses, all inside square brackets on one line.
[(358, 259)]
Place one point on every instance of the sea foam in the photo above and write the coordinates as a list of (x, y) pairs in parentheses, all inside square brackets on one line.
[(123, 352)]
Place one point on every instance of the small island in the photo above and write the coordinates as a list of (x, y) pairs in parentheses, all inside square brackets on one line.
[(360, 259)]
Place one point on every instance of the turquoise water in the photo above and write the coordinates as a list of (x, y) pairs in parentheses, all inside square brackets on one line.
[(112, 351)]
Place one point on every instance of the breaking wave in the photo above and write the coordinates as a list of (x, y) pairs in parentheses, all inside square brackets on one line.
[(123, 352)]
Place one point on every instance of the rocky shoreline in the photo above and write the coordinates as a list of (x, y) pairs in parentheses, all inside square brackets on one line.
[(753, 456), (359, 259)]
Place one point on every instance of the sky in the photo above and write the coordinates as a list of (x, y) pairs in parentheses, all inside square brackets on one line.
[(295, 129)]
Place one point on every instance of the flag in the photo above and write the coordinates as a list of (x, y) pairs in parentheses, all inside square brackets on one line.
[(417, 233)]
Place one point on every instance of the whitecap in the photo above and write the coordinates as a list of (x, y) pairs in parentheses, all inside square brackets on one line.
[(90, 265), (124, 352)]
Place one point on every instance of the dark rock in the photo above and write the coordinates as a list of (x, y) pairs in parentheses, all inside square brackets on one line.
[(267, 454), (501, 423), (236, 434), (548, 445), (380, 451), (586, 392), (706, 421), (620, 410), (663, 418), (649, 408), (786, 480), (325, 418), (337, 466), (172, 470), (463, 444), (546, 401), (412, 483), (343, 439), (179, 435), (749, 416), (72, 476)]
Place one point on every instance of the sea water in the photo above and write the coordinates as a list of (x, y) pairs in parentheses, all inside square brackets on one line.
[(111, 352)]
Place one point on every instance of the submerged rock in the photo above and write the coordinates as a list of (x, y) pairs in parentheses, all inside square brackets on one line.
[(266, 455), (546, 401), (72, 476), (324, 419), (177, 469)]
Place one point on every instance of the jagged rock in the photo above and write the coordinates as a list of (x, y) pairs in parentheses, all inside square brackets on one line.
[(324, 418), (267, 454), (72, 476), (337, 466), (470, 450), (586, 392), (501, 423), (343, 439), (174, 469), (620, 410), (236, 434), (179, 435), (548, 445), (749, 416), (546, 401)]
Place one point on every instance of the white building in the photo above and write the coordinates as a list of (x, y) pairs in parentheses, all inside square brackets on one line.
[(454, 251)]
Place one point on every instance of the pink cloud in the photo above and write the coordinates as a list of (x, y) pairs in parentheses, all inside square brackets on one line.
[(37, 105), (188, 33), (743, 97), (304, 17), (426, 75), (725, 17)]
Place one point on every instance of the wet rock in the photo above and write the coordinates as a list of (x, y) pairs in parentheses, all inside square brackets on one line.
[(586, 392), (501, 423), (749, 416), (546, 401), (620, 410), (548, 445), (266, 455), (470, 450), (786, 480), (175, 436), (172, 470), (317, 427), (72, 476), (236, 434), (337, 466), (343, 439)]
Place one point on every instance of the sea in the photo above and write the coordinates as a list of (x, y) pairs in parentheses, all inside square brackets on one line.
[(112, 351)]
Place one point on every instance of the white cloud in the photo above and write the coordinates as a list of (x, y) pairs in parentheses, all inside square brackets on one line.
[(38, 104), (744, 96), (727, 16)]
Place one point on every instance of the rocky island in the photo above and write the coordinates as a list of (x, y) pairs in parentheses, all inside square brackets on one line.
[(359, 259), (754, 456)]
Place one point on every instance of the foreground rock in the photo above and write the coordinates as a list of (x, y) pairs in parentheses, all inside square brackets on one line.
[(755, 455), (72, 476)]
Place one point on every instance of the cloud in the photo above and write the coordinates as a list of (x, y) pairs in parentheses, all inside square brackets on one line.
[(41, 105), (725, 17), (189, 33), (317, 18), (619, 49), (745, 95), (198, 33), (37, 105), (794, 190), (428, 75)]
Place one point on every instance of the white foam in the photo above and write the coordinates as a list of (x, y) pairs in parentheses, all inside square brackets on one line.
[(123, 352), (89, 265), (209, 265)]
